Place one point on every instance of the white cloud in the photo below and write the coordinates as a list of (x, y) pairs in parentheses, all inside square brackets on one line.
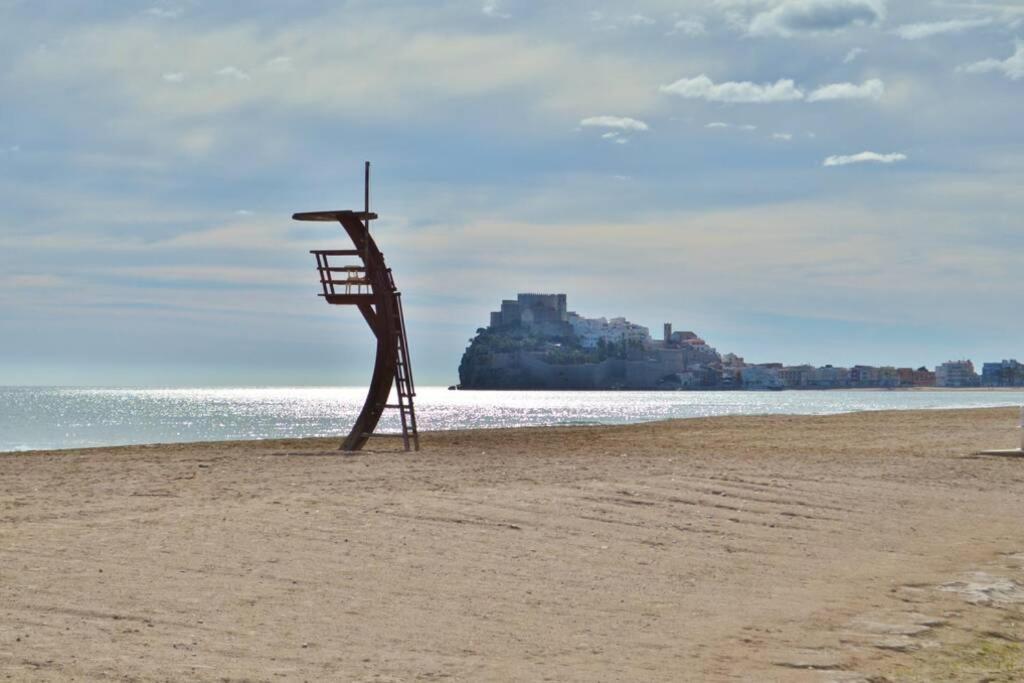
[(233, 72), (737, 126), (403, 67), (689, 27), (639, 20), (615, 136), (853, 54), (620, 122), (174, 77), (868, 90), (814, 16), (279, 64), (162, 13), (492, 9), (928, 29), (1012, 67), (782, 136), (783, 90), (703, 88), (864, 157)]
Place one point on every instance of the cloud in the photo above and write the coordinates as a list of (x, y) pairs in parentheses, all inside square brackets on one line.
[(703, 88), (162, 13), (280, 64), (928, 29), (1012, 67), (406, 68), (736, 126), (32, 280), (689, 27), (491, 9), (233, 72), (783, 90), (814, 16), (620, 125), (620, 122), (192, 274), (174, 77), (853, 54), (864, 157), (639, 20), (782, 136), (615, 136), (868, 90)]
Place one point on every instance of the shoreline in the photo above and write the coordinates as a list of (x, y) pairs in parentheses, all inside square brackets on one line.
[(448, 387), (725, 390), (567, 425), (779, 547)]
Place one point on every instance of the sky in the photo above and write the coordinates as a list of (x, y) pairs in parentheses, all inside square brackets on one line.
[(820, 181)]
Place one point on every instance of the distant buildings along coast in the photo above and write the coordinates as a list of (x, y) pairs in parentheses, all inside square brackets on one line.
[(535, 342)]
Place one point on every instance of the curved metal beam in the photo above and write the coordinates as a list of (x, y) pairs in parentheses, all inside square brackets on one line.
[(383, 316)]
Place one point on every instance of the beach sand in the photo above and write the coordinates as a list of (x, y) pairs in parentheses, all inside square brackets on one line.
[(861, 547)]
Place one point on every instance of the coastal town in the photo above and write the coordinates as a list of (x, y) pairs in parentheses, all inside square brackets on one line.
[(535, 342)]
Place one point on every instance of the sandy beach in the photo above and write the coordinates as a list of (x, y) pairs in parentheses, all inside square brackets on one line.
[(858, 547)]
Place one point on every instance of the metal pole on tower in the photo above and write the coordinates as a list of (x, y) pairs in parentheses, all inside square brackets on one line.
[(366, 204)]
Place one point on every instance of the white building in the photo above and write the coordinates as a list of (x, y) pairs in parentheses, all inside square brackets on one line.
[(590, 331), (956, 373)]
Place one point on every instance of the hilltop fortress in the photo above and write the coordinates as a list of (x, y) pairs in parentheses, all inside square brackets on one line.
[(535, 342)]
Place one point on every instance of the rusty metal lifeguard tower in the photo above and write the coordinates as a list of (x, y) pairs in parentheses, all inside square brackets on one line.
[(370, 286)]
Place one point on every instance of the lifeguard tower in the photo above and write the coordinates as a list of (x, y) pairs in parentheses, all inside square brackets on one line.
[(367, 284)]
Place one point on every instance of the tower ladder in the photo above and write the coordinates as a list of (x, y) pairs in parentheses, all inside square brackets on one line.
[(405, 388)]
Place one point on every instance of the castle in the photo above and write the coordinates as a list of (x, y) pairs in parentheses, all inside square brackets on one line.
[(535, 342)]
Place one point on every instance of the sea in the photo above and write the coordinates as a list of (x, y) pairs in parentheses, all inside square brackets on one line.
[(34, 418)]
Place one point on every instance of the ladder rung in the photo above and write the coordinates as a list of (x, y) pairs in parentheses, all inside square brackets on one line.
[(385, 434)]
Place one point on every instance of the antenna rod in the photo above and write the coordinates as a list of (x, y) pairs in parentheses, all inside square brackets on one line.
[(366, 206), (366, 192)]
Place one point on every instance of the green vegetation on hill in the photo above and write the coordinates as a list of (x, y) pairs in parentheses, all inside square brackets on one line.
[(505, 340), (557, 351)]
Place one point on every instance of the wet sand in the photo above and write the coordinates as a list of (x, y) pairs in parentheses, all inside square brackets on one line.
[(863, 547)]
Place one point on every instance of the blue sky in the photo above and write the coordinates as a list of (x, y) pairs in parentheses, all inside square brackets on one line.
[(824, 181)]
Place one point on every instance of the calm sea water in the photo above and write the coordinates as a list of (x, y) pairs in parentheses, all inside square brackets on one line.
[(55, 417)]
